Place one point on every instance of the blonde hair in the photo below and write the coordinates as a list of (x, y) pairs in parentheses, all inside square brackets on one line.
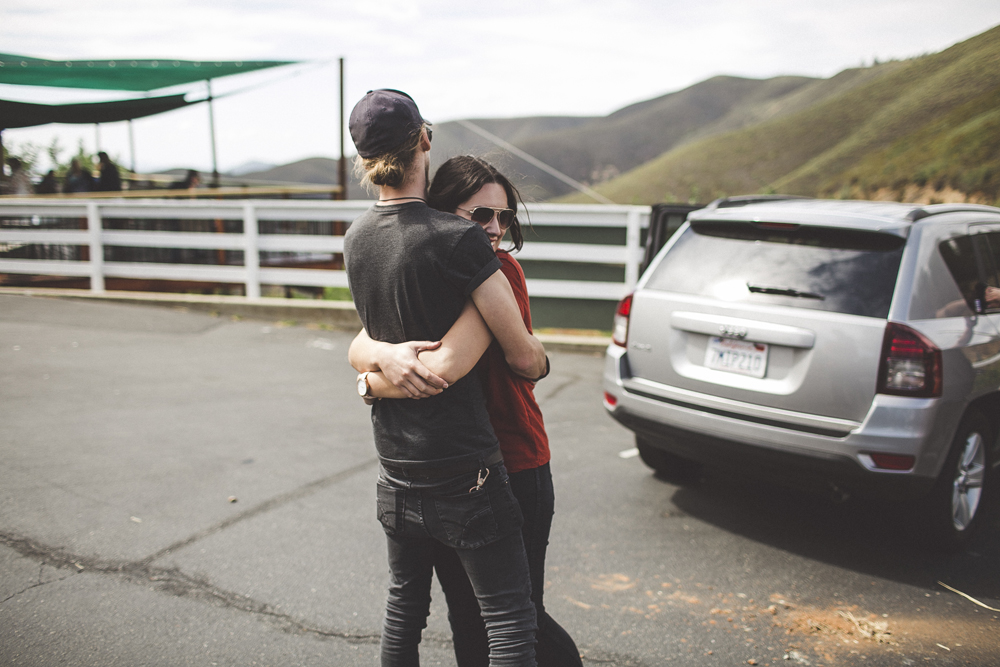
[(388, 169)]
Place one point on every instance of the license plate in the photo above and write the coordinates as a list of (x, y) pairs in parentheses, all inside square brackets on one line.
[(736, 356)]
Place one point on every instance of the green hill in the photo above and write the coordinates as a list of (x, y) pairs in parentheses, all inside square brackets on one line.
[(928, 128), (595, 150), (638, 133)]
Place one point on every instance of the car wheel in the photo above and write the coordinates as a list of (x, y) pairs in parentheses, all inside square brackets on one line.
[(668, 467), (956, 504)]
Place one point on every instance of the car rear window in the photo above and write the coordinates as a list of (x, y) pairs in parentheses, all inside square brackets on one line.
[(820, 268)]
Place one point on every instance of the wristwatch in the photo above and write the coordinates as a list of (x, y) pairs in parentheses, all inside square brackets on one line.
[(364, 389)]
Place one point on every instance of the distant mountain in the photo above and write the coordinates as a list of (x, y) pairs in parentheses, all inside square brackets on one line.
[(905, 129), (450, 139), (314, 170), (607, 147), (593, 150), (927, 129), (252, 167)]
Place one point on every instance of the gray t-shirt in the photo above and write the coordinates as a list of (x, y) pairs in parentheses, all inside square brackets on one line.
[(411, 269)]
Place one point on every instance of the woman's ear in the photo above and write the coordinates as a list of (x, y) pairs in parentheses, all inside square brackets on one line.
[(425, 141)]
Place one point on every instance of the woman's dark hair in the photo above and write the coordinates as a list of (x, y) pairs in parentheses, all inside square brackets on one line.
[(463, 176)]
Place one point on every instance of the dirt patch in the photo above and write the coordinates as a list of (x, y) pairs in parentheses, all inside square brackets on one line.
[(927, 194), (847, 624), (612, 583), (783, 630), (831, 633)]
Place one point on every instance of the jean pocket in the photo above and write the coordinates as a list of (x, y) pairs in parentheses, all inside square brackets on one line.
[(506, 509), (467, 518), (390, 501)]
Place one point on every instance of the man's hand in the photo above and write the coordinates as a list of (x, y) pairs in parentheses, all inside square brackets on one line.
[(401, 367), (992, 297)]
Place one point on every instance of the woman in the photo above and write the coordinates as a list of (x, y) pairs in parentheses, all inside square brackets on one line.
[(475, 190), (77, 178)]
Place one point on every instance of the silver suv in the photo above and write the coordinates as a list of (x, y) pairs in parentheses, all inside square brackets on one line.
[(851, 343)]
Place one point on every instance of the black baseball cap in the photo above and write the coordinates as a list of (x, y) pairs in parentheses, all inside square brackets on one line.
[(383, 120)]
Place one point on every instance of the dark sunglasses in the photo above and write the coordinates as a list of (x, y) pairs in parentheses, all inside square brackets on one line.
[(483, 215)]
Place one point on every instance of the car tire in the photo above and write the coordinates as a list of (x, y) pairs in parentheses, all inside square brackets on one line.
[(957, 502), (668, 466)]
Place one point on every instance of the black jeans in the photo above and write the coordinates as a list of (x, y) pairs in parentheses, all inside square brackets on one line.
[(480, 528), (554, 647)]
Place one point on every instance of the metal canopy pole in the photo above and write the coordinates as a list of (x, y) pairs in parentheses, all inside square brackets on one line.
[(342, 167), (211, 124), (131, 143)]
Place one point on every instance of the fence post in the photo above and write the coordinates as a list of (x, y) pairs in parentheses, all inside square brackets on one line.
[(251, 251), (96, 248), (633, 233)]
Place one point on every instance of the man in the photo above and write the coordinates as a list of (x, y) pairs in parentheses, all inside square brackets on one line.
[(412, 271), (109, 180)]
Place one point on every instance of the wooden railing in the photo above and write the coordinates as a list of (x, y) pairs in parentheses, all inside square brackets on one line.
[(44, 222)]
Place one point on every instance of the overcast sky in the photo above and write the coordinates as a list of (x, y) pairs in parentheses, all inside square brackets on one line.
[(503, 58)]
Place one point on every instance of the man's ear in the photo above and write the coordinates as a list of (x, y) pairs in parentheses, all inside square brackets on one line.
[(425, 142)]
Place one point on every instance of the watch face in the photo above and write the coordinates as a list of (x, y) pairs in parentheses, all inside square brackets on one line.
[(362, 385)]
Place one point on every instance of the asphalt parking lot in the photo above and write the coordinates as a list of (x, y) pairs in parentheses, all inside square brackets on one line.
[(183, 489)]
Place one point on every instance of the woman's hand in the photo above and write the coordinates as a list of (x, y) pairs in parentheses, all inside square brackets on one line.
[(400, 366)]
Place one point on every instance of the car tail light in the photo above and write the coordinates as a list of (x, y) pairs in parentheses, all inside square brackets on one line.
[(620, 334), (610, 400), (911, 364), (893, 461)]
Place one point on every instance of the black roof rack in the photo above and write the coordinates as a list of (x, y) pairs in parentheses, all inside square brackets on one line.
[(939, 209), (743, 200)]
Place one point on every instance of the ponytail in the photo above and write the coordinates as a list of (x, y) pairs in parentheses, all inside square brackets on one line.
[(388, 169)]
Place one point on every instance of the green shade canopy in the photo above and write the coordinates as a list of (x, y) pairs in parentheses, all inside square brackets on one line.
[(23, 114), (121, 74)]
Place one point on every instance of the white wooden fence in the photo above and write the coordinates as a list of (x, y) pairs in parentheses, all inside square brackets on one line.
[(22, 221)]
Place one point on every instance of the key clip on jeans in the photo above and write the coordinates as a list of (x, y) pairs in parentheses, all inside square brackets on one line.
[(480, 480)]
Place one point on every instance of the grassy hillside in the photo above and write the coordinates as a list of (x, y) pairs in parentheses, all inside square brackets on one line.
[(898, 128), (640, 132), (960, 152), (593, 150), (597, 150)]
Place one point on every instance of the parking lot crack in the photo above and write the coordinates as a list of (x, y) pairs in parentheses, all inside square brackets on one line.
[(171, 581), (568, 381), (175, 582), (38, 584), (266, 506)]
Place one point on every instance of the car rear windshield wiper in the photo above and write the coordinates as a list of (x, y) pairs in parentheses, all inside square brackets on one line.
[(784, 291)]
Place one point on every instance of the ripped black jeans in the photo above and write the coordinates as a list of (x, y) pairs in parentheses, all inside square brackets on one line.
[(483, 526)]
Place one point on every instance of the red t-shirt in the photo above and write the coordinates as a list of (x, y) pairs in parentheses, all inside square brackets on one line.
[(510, 399)]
